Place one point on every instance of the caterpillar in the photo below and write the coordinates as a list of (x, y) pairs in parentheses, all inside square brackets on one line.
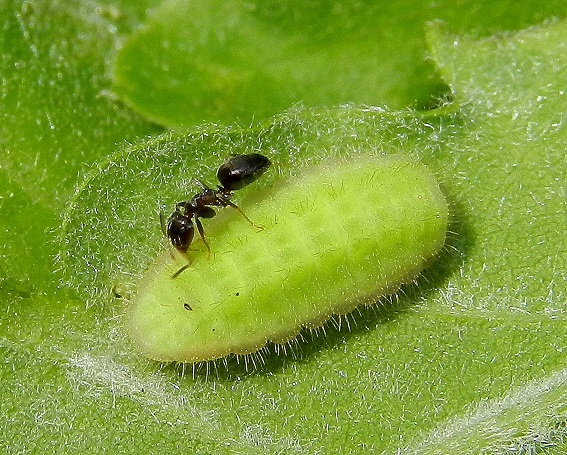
[(338, 235)]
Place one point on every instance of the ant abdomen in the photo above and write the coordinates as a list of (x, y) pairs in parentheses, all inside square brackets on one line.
[(241, 170)]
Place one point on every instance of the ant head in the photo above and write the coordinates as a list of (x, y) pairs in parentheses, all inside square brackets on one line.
[(180, 230), (241, 170)]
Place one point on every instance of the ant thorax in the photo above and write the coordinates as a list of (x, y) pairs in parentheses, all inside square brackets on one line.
[(208, 196)]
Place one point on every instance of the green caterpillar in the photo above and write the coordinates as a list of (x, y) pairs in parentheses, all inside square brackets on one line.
[(338, 235)]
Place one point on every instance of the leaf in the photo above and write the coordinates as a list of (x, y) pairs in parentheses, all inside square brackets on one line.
[(57, 116), (232, 61), (469, 361), (476, 331)]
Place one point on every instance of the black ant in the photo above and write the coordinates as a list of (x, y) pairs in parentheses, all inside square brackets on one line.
[(234, 174)]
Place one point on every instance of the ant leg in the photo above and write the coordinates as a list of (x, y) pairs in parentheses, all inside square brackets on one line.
[(162, 223), (201, 184), (176, 274), (234, 206), (164, 231), (185, 267), (202, 233)]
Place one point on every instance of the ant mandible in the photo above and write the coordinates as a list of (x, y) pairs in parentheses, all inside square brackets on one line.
[(234, 174)]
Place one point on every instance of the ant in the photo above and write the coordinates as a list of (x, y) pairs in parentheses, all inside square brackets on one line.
[(234, 174)]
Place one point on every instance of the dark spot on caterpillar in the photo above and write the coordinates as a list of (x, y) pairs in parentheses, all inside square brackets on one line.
[(187, 307)]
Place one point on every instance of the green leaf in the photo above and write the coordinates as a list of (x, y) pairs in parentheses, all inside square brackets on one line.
[(471, 360), (233, 61), (57, 116), (488, 325)]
